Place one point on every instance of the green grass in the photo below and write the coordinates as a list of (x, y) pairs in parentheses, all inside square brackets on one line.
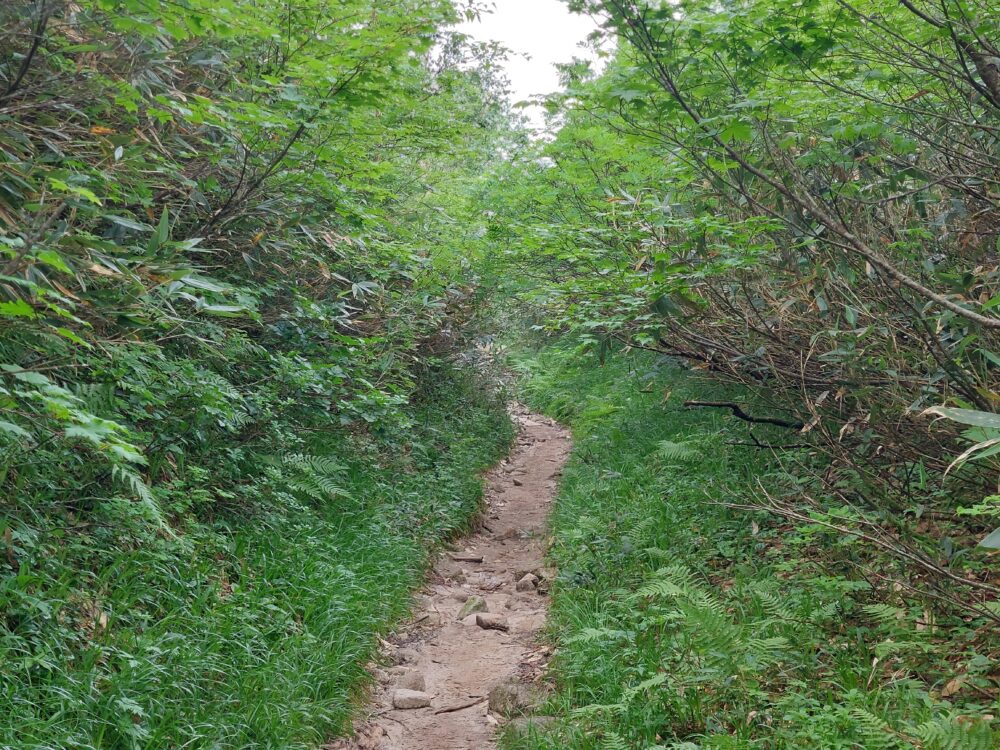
[(247, 628), (684, 624)]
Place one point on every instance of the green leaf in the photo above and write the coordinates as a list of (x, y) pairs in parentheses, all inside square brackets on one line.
[(991, 540), (68, 334), (229, 311), (737, 131), (79, 190), (28, 376), (128, 223), (161, 235), (13, 429), (90, 432), (17, 309), (967, 416), (202, 282), (54, 259)]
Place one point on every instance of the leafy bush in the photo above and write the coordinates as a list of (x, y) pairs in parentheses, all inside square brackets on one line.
[(226, 430), (247, 627), (791, 195), (682, 622)]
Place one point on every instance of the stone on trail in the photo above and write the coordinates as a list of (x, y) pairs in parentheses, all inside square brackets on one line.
[(472, 605), (527, 583), (518, 483), (408, 654), (492, 622), (411, 680), (406, 699)]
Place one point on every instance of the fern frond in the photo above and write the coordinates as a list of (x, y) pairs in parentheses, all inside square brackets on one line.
[(766, 651), (139, 488), (711, 633), (774, 605), (948, 733), (655, 681), (658, 588), (668, 450), (884, 614), (614, 741), (878, 735), (589, 635), (598, 709), (316, 464)]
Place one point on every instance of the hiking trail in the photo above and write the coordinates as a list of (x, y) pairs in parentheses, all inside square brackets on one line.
[(479, 668)]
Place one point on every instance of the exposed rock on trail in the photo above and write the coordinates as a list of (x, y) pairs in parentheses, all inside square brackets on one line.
[(473, 639)]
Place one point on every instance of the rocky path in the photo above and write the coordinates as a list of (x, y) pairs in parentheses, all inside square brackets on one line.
[(470, 657)]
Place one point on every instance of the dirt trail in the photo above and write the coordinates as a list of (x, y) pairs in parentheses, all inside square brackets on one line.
[(459, 662)]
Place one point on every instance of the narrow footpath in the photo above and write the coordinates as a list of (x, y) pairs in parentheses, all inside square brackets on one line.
[(470, 659)]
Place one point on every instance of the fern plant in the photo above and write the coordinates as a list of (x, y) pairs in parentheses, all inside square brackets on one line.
[(677, 452), (955, 733), (319, 478), (614, 741)]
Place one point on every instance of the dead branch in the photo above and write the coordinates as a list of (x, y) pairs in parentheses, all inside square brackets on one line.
[(740, 414)]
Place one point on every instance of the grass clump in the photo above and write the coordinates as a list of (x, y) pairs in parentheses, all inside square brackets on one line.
[(245, 626), (683, 624)]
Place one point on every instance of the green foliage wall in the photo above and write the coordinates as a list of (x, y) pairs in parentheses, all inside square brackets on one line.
[(224, 302), (681, 622), (799, 197)]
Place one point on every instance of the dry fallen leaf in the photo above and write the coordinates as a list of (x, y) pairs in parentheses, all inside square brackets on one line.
[(102, 270), (952, 687)]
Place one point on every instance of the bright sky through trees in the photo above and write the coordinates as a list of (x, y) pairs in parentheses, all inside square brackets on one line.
[(540, 34)]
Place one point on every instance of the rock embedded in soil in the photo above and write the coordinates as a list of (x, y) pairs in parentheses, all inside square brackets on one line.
[(473, 605), (411, 680), (527, 583), (408, 699), (518, 483), (408, 654), (489, 621)]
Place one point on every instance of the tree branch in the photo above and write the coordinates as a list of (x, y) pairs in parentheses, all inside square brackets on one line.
[(738, 412)]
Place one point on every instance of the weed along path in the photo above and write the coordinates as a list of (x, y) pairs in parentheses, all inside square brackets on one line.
[(470, 657)]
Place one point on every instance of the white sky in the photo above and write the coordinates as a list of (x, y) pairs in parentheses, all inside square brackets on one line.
[(545, 31)]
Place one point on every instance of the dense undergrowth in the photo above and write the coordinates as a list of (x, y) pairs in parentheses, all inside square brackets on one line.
[(240, 242), (249, 628), (800, 196), (231, 279), (683, 624)]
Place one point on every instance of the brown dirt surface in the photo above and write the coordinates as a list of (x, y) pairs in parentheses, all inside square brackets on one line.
[(460, 661)]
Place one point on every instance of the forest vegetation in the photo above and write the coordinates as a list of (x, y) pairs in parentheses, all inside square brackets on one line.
[(250, 253)]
